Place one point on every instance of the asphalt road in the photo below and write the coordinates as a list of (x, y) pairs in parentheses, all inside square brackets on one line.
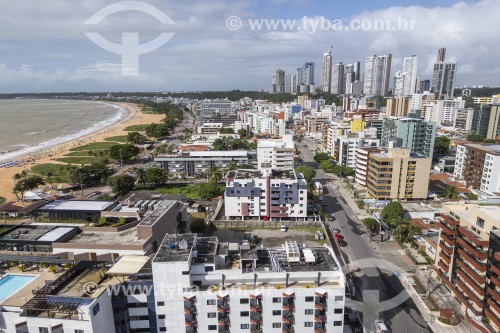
[(404, 317)]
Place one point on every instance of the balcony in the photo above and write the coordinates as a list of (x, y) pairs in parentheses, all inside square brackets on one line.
[(223, 320), (451, 231), (445, 257), (494, 305), (492, 317), (469, 293), (319, 329), (448, 239), (256, 319), (188, 310), (476, 264), (470, 281), (320, 318), (222, 308), (481, 279), (255, 307), (493, 292), (450, 220), (191, 322), (443, 266), (478, 253), (445, 248), (475, 238), (320, 306)]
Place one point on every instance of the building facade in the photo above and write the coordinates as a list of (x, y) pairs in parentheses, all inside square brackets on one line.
[(412, 133), (479, 166), (377, 75)]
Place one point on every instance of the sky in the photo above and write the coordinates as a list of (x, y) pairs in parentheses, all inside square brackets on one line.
[(215, 44)]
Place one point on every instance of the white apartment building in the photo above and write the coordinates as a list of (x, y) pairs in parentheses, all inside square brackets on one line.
[(362, 156), (458, 172), (420, 101), (443, 111), (265, 194), (227, 287), (276, 153), (209, 128), (345, 148)]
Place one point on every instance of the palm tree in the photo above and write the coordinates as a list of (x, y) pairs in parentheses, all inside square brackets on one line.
[(450, 192), (214, 174), (50, 174), (141, 176)]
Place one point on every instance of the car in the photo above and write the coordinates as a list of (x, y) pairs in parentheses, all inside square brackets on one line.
[(335, 187), (284, 228), (336, 230), (380, 327), (323, 202)]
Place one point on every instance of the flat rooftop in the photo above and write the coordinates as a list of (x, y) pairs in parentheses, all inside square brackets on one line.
[(491, 149), (275, 174), (125, 237), (159, 211), (40, 233), (76, 205)]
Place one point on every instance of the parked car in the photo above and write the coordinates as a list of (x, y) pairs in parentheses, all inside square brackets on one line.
[(380, 327), (284, 228), (336, 230)]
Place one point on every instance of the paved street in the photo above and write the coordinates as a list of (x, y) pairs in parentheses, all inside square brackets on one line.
[(403, 318)]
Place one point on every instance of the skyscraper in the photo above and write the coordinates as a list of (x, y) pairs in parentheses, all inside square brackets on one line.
[(415, 134), (377, 75), (410, 66), (288, 83), (349, 77), (399, 82), (425, 85), (326, 73), (443, 77), (337, 86), (278, 82)]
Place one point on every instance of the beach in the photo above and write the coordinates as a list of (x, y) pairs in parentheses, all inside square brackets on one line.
[(49, 155)]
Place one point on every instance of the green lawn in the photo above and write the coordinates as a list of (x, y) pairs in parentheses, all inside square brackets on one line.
[(75, 160), (84, 153), (59, 172), (191, 191), (94, 146), (118, 138), (137, 128)]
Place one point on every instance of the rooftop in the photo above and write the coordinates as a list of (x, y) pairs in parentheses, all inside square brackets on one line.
[(77, 205), (126, 237), (488, 148), (40, 233), (275, 174), (158, 212)]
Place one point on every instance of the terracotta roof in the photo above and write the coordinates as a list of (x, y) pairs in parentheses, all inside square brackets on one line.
[(10, 207), (193, 148), (439, 181)]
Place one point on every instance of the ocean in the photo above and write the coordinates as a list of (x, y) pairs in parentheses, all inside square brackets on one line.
[(31, 126)]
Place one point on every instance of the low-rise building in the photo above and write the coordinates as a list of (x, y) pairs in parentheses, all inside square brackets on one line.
[(278, 153)]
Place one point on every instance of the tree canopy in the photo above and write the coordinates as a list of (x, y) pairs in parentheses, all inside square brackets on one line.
[(393, 213), (122, 184), (441, 146)]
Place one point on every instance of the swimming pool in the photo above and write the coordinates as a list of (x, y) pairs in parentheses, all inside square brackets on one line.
[(11, 283)]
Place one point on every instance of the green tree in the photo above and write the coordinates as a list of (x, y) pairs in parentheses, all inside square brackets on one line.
[(122, 184), (214, 174), (136, 138), (2, 200), (123, 152), (319, 157), (450, 192), (157, 131), (472, 196), (393, 213), (326, 166), (370, 223), (27, 184), (475, 137), (226, 130), (441, 146), (308, 172), (210, 190), (142, 177), (156, 176)]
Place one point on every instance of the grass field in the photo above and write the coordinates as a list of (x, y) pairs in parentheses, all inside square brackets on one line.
[(137, 128), (75, 160), (118, 138), (191, 191), (59, 172), (84, 153), (94, 146)]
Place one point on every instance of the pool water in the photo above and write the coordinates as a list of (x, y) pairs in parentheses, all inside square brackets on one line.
[(10, 284)]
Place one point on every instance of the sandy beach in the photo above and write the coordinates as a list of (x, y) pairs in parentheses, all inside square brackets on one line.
[(134, 117)]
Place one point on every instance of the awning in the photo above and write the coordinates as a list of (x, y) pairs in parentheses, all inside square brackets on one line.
[(127, 265)]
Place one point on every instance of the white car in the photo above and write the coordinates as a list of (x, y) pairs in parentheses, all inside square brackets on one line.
[(380, 327), (284, 228)]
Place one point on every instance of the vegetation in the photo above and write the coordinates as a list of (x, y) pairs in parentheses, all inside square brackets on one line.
[(441, 146), (118, 138), (136, 128), (2, 200), (370, 223), (320, 157), (52, 172), (75, 160), (88, 175), (475, 137), (94, 146), (157, 131), (104, 197), (308, 172), (472, 196), (24, 182), (122, 184), (360, 204), (136, 138), (226, 130), (198, 225), (450, 192), (123, 152), (233, 144), (193, 191), (393, 213)]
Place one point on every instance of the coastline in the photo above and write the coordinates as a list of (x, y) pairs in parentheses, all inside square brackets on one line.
[(49, 154)]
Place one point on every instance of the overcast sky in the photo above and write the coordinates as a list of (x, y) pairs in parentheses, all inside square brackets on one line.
[(43, 46)]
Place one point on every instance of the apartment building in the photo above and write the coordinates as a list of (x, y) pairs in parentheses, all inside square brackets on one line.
[(220, 111), (345, 148), (398, 174), (479, 166), (468, 259), (463, 119), (398, 106), (415, 134), (278, 153), (362, 157), (226, 287), (209, 128), (265, 194), (192, 163), (486, 121)]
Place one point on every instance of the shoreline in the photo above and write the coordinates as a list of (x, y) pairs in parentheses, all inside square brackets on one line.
[(49, 154)]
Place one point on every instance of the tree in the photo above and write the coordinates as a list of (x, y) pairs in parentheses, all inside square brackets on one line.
[(156, 176), (441, 146), (319, 157), (474, 137), (370, 223), (156, 131), (136, 138), (27, 184), (326, 166), (141, 176), (450, 192), (210, 190), (226, 131), (122, 184), (214, 174), (2, 200), (393, 213), (472, 196), (123, 152), (308, 172)]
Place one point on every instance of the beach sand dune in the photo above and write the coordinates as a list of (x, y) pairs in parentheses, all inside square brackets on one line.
[(134, 117)]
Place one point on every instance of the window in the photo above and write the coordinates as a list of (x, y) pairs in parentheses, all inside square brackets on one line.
[(212, 314), (43, 329), (276, 312), (95, 309), (276, 325), (163, 329), (244, 313), (276, 299), (79, 331), (209, 268), (308, 311), (337, 323), (480, 222), (160, 303), (244, 301), (308, 324), (309, 299), (161, 316), (210, 302), (212, 327), (338, 310), (245, 326)]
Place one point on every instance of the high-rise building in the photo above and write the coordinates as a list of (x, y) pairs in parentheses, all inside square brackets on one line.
[(399, 81), (425, 85), (468, 260), (288, 83), (338, 86), (410, 65), (443, 77), (349, 77), (463, 119), (479, 166), (412, 133), (280, 80), (398, 174), (326, 73), (357, 71), (377, 75), (486, 121), (398, 106), (362, 157)]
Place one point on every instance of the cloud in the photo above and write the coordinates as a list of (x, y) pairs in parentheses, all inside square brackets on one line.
[(44, 47)]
